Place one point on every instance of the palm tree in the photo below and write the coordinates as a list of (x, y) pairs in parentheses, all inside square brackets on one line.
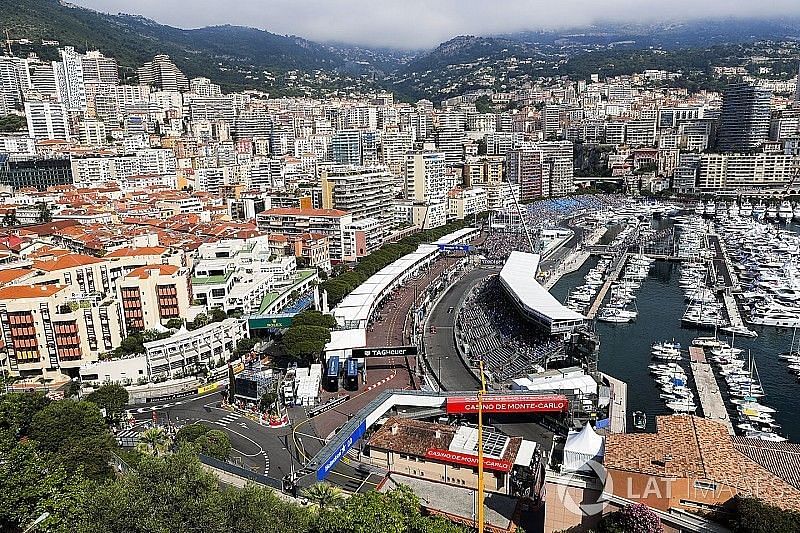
[(323, 494), (153, 441)]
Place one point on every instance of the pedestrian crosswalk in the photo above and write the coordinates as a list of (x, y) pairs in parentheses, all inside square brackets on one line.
[(227, 419)]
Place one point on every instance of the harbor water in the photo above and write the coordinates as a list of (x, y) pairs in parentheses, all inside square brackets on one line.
[(625, 348)]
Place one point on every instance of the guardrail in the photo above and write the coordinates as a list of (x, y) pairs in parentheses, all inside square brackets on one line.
[(241, 472)]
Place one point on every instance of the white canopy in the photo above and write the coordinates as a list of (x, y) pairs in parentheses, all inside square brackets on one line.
[(582, 447)]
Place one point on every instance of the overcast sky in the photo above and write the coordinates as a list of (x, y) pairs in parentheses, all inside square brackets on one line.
[(417, 24)]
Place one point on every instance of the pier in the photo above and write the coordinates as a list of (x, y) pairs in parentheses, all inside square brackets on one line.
[(601, 294), (722, 267), (618, 408), (707, 388), (575, 259)]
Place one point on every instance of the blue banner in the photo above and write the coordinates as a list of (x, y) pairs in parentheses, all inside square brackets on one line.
[(455, 248), (328, 464)]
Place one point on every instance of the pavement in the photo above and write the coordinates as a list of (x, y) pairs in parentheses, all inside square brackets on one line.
[(387, 329), (258, 448), (440, 347)]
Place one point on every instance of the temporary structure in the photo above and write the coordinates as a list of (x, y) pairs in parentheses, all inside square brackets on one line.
[(583, 447)]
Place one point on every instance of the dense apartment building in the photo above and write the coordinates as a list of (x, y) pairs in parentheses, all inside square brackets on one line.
[(364, 192), (153, 294), (47, 331), (162, 73), (296, 221), (744, 121), (718, 172)]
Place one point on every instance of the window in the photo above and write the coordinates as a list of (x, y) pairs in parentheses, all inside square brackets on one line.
[(705, 485)]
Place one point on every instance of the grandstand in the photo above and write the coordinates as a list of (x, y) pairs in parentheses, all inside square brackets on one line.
[(534, 302), (492, 332)]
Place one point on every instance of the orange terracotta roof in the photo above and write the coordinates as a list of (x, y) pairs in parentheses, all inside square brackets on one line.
[(66, 261), (10, 274), (144, 271), (133, 252), (686, 446), (15, 292)]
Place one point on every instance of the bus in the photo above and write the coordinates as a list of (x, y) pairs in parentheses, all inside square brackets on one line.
[(351, 374), (332, 375)]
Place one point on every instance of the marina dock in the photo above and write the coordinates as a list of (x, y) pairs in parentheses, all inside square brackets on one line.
[(707, 388), (722, 267), (601, 294), (575, 259), (618, 410)]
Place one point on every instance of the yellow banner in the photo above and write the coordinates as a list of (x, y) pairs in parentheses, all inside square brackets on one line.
[(207, 388)]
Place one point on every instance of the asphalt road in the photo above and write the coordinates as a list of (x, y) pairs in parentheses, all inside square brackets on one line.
[(440, 346), (260, 449)]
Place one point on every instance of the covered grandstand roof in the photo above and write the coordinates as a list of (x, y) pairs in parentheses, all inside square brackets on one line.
[(519, 276), (357, 307)]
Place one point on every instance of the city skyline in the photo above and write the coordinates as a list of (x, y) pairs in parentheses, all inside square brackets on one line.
[(419, 24)]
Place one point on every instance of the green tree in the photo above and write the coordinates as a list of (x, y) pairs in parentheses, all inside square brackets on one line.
[(323, 495), (214, 443), (306, 342), (110, 397), (198, 322), (77, 434), (174, 323), (17, 410), (31, 483), (154, 441), (191, 432), (217, 315), (12, 123), (10, 219), (314, 318), (45, 215), (751, 515), (130, 345), (396, 510), (244, 347), (169, 493), (211, 442), (483, 104), (258, 509), (267, 401)]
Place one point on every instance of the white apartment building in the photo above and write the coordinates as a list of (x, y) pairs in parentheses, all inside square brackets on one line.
[(425, 176), (364, 192), (186, 351), (47, 121), (745, 171), (465, 203)]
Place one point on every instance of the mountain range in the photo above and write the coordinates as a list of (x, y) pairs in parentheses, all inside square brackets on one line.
[(240, 57)]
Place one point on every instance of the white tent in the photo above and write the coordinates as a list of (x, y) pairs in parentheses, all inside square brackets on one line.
[(582, 447)]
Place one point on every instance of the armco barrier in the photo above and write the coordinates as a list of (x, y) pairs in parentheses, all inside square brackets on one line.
[(241, 472)]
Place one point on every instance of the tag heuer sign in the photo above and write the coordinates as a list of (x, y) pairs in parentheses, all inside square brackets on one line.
[(385, 351)]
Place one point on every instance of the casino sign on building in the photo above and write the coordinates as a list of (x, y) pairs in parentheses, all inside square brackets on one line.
[(449, 454)]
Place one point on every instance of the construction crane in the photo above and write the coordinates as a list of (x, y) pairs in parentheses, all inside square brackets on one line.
[(479, 515)]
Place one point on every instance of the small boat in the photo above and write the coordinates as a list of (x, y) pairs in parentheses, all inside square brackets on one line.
[(742, 331), (764, 435), (639, 420)]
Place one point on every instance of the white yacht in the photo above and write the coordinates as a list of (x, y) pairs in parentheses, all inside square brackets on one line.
[(733, 209), (759, 211), (772, 212), (746, 210), (785, 212)]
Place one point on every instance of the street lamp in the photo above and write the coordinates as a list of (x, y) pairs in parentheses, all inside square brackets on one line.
[(42, 517)]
